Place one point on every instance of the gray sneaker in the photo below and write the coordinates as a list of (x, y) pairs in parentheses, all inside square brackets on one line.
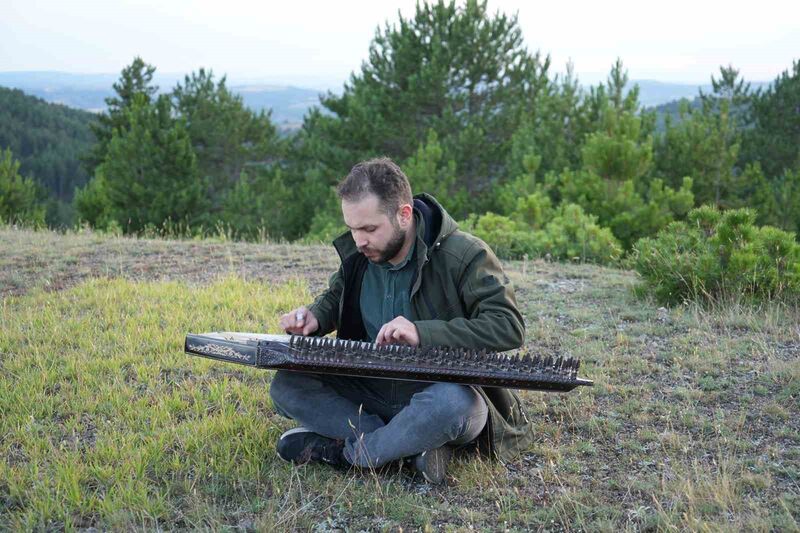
[(432, 464)]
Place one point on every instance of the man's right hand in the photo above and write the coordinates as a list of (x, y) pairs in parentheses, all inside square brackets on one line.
[(300, 321)]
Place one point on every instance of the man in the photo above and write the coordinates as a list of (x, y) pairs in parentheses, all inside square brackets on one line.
[(408, 276)]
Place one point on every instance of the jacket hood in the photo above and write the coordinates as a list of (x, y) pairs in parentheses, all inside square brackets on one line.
[(438, 226)]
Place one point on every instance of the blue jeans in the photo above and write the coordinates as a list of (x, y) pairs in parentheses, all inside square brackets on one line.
[(380, 420)]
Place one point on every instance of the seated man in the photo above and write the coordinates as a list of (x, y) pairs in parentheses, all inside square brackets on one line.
[(408, 276)]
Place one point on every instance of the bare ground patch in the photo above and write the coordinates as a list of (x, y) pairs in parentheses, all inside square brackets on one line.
[(55, 261)]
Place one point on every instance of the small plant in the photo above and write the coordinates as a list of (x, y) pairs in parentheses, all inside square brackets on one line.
[(719, 256)]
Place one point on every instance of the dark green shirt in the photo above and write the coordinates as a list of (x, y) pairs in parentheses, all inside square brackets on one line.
[(385, 290)]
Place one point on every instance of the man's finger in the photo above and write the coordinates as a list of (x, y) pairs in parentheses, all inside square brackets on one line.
[(388, 335), (289, 324), (403, 337)]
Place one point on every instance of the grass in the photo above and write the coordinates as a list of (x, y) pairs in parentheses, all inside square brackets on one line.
[(692, 424)]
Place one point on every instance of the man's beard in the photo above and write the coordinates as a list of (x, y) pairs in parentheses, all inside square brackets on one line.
[(393, 247)]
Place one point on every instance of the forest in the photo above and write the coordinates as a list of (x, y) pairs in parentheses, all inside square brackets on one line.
[(528, 160)]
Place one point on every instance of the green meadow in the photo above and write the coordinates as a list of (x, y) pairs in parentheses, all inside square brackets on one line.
[(693, 422)]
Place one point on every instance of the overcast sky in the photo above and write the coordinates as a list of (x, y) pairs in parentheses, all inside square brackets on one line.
[(318, 44)]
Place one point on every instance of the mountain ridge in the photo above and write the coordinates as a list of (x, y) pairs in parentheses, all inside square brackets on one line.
[(288, 102)]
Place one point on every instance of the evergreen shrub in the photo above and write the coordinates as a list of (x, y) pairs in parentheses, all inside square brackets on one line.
[(570, 234), (575, 235), (508, 238), (717, 256)]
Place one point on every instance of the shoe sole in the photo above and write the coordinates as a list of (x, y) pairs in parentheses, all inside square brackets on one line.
[(299, 429), (439, 463)]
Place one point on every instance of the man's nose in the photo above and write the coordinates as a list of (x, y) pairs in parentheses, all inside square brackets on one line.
[(361, 239)]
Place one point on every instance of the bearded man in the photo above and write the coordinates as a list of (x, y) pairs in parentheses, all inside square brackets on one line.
[(408, 276)]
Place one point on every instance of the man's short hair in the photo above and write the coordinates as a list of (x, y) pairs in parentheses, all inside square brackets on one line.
[(380, 176)]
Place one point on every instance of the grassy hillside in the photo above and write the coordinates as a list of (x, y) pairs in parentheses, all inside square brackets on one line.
[(692, 424)]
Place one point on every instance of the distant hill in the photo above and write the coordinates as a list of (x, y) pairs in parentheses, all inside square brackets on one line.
[(288, 103), (653, 93), (671, 108), (89, 91), (47, 139)]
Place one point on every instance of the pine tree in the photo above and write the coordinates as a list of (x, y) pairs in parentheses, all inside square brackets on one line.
[(428, 171), (150, 169), (552, 132), (456, 70), (20, 198), (136, 80), (787, 200), (724, 110), (774, 138), (778, 200), (225, 135), (616, 182), (92, 204), (705, 143)]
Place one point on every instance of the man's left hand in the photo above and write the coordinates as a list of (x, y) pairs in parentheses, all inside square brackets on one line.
[(398, 331)]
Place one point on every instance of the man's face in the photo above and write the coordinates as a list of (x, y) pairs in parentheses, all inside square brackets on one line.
[(377, 236)]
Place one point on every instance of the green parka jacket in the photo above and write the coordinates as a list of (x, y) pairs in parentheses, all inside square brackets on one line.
[(460, 297)]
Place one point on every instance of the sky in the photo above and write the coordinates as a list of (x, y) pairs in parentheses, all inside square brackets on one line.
[(318, 44)]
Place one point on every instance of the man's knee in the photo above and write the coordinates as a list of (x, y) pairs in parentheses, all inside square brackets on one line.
[(456, 403), (286, 389), (460, 398)]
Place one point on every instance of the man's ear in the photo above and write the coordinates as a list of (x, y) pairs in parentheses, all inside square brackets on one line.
[(404, 215)]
